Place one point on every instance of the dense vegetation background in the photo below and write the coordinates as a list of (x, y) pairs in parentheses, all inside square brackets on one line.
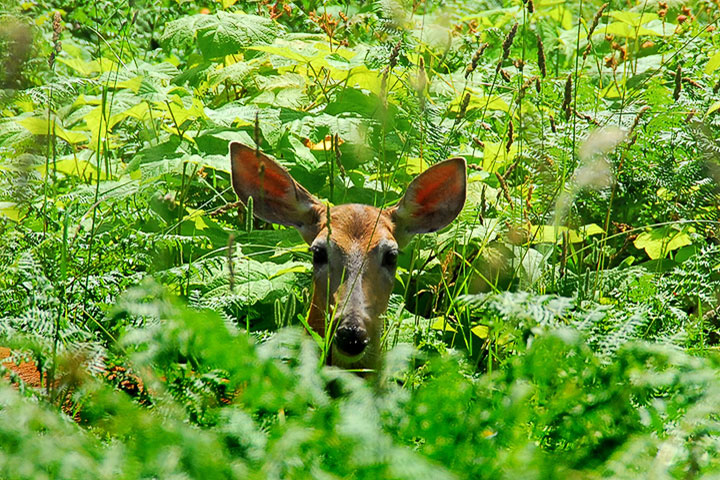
[(564, 327)]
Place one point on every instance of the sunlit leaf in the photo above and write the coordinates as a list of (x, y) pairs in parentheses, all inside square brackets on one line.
[(221, 33), (196, 216), (440, 323), (496, 156), (658, 242), (634, 19), (10, 210), (480, 331), (39, 126)]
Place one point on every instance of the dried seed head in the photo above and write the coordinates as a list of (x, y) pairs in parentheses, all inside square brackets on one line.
[(524, 87), (537, 84), (392, 61), (622, 51), (692, 82), (512, 167), (553, 127), (504, 188), (57, 44), (508, 41), (530, 6), (567, 97), (528, 198), (510, 136), (57, 26), (611, 62), (678, 83), (541, 57), (383, 84), (464, 105), (475, 59), (505, 75), (596, 20), (632, 141)]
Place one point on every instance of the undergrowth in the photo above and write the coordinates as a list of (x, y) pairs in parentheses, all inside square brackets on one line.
[(565, 325)]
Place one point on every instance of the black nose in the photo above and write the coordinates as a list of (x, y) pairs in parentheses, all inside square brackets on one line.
[(351, 340)]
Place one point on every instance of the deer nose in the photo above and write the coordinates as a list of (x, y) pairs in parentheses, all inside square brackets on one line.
[(351, 340)]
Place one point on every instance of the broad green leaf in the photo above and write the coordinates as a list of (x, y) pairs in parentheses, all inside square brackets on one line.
[(480, 331), (10, 210), (235, 73), (298, 268), (39, 126), (74, 167), (562, 15), (591, 229), (481, 102), (713, 108), (95, 118), (532, 262), (713, 64), (415, 165), (634, 19), (308, 53), (179, 110), (441, 324), (625, 30), (287, 80), (360, 77), (140, 111), (132, 84), (496, 156), (196, 216), (553, 234), (88, 68), (658, 242), (222, 33)]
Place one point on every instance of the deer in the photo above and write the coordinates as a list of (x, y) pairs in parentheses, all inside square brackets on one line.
[(354, 247)]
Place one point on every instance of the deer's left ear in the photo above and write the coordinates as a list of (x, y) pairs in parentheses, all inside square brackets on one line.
[(433, 199)]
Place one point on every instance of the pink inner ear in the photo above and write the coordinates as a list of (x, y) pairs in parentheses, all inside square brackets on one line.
[(265, 179), (436, 185), (273, 182)]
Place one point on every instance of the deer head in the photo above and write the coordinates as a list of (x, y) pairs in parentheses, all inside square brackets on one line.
[(355, 247)]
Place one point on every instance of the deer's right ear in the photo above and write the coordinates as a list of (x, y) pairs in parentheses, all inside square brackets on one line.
[(432, 200), (277, 197)]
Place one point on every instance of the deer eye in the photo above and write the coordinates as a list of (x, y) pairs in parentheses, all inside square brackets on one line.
[(320, 255), (389, 259)]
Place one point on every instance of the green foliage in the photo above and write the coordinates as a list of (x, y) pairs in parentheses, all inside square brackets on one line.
[(554, 410), (563, 326)]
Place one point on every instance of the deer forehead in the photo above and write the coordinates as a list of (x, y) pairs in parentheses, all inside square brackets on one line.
[(358, 226)]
